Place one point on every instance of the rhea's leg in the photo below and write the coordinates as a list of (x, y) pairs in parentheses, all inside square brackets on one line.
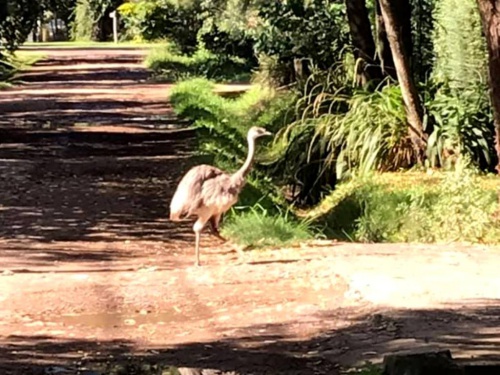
[(214, 225), (198, 227)]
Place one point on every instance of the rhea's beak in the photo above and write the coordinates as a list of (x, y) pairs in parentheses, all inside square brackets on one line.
[(268, 133)]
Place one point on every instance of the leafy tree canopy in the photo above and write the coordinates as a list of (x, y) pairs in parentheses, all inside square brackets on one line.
[(17, 18)]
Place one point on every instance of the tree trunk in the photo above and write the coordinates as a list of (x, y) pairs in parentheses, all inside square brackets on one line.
[(362, 40), (490, 17), (383, 49), (402, 9), (409, 92)]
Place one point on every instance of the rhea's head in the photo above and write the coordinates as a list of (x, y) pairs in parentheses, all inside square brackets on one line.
[(257, 132)]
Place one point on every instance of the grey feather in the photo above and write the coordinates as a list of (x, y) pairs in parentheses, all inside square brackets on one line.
[(188, 195)]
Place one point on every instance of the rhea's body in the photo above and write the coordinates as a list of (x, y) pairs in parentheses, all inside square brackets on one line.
[(208, 192)]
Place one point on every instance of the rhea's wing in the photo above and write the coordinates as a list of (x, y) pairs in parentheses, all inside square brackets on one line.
[(219, 192), (188, 196)]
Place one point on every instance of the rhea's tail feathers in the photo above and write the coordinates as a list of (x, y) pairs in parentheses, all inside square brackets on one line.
[(175, 216), (178, 209), (177, 213)]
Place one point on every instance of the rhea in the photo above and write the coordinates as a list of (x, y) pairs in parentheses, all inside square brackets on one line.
[(207, 192)]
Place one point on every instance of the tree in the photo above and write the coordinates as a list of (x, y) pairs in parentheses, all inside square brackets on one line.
[(460, 50), (17, 18), (91, 19), (423, 25), (396, 37), (297, 31), (489, 10), (60, 9), (362, 41), (384, 54), (402, 8), (226, 31), (178, 21)]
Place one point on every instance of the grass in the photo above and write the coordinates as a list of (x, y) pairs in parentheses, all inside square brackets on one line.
[(435, 207), (169, 65), (258, 227), (455, 206), (224, 121), (13, 63), (338, 123), (23, 59)]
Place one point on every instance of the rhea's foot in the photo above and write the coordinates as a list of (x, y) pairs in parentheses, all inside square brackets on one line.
[(220, 237), (216, 233)]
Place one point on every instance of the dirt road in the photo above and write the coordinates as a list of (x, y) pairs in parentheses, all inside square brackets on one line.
[(91, 270)]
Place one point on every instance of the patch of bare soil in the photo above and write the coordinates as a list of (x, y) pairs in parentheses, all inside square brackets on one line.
[(92, 270)]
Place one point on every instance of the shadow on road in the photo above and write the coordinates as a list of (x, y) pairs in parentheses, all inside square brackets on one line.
[(471, 332), (88, 186)]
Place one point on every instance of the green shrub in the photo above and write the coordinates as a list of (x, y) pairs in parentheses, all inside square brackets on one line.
[(174, 20), (258, 227), (84, 25), (6, 72), (132, 14), (422, 31), (276, 111), (272, 71), (194, 99), (233, 42), (339, 132), (463, 211), (214, 117), (91, 19), (459, 109), (453, 206), (197, 100), (293, 30), (17, 19), (12, 63), (371, 135), (222, 123), (463, 125), (171, 66)]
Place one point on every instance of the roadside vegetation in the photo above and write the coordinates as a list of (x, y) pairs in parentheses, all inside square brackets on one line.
[(363, 151), (13, 63)]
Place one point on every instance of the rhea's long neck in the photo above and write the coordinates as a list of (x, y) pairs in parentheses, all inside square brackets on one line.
[(245, 168)]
